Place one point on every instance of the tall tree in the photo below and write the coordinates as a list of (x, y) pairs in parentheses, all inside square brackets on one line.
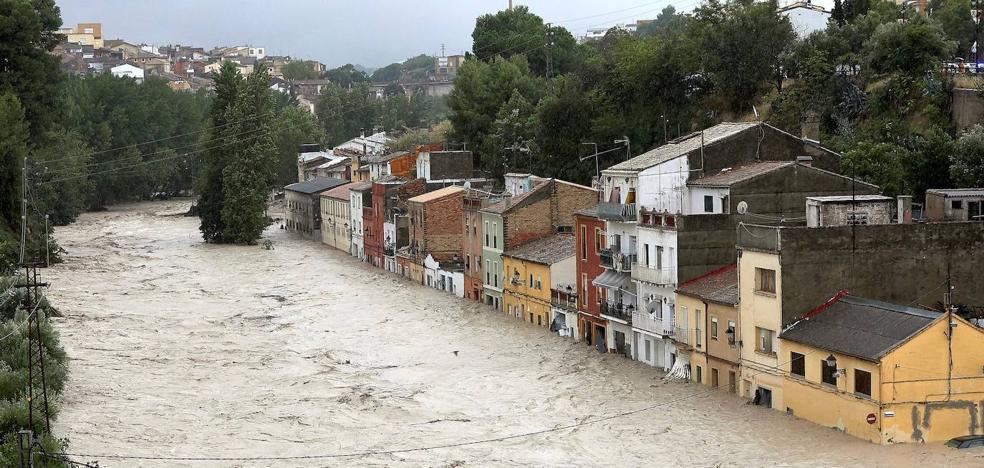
[(299, 70), (968, 158), (346, 76), (293, 127), (13, 150), (516, 31), (215, 153), (28, 32), (250, 173)]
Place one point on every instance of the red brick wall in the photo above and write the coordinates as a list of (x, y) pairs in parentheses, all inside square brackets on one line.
[(442, 223), (589, 264), (569, 198), (528, 223)]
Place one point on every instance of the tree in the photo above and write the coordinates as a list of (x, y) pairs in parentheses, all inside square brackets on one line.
[(250, 173), (513, 134), (882, 164), (388, 74), (837, 13), (59, 176), (741, 45), (215, 155), (665, 23), (968, 158), (292, 128), (346, 76), (913, 48), (13, 150), (516, 31), (957, 21), (299, 70), (28, 33)]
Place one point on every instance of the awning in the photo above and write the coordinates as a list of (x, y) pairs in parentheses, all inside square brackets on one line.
[(612, 280)]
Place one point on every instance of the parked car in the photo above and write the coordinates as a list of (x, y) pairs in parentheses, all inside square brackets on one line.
[(971, 441)]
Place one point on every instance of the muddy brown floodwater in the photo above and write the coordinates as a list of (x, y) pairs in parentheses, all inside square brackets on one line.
[(181, 349)]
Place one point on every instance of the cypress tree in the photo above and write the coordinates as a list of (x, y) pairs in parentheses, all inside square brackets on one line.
[(837, 13), (250, 171), (216, 147)]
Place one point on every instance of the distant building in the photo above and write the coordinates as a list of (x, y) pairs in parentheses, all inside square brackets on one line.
[(445, 166), (965, 204), (303, 205), (841, 210), (89, 34), (360, 197), (336, 232), (805, 16), (127, 70)]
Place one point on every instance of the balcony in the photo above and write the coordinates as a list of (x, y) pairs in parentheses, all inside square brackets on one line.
[(564, 298), (389, 250), (662, 277), (625, 213), (618, 310), (617, 261), (681, 336), (651, 218)]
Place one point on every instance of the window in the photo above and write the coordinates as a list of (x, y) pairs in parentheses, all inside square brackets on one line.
[(708, 204), (956, 204), (697, 333), (495, 236), (488, 272), (467, 261), (495, 274), (765, 280), (648, 350), (598, 294), (645, 255), (487, 234), (539, 284), (659, 257), (599, 240), (764, 342), (862, 382), (797, 364), (714, 328), (698, 375), (584, 242), (584, 290), (827, 373)]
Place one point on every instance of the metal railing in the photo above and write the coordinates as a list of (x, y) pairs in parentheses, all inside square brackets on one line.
[(665, 276), (563, 299), (681, 336), (618, 310), (617, 212), (618, 261)]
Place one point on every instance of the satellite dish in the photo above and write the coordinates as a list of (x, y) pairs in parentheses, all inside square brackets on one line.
[(742, 207)]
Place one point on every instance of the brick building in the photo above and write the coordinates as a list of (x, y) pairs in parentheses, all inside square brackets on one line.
[(435, 220), (548, 208)]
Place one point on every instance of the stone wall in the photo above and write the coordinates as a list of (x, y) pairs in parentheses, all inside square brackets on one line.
[(568, 198), (899, 263), (968, 108), (442, 227)]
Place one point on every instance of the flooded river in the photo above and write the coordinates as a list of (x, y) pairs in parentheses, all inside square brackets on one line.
[(182, 349)]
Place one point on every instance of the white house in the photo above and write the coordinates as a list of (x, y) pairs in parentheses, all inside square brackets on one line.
[(129, 71), (358, 193)]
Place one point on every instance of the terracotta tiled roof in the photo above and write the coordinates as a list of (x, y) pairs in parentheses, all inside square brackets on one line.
[(719, 286), (341, 192), (440, 193)]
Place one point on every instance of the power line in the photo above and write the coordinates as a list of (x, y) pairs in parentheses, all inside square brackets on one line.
[(183, 155)]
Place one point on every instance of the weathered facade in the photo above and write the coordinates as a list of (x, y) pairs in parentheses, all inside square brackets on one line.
[(336, 232), (884, 372), (302, 212), (532, 271), (710, 305), (360, 196), (472, 240), (590, 236), (965, 204)]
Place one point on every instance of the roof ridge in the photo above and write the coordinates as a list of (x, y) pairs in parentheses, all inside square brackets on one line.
[(714, 272), (826, 305)]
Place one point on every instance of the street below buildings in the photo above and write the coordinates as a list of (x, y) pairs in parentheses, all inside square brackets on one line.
[(184, 349)]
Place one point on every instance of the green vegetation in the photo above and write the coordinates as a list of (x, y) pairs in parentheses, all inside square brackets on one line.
[(875, 84), (240, 166), (344, 113), (299, 70), (414, 69)]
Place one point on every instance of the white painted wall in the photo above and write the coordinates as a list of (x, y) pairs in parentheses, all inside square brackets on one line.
[(697, 195), (563, 273), (355, 209), (664, 186)]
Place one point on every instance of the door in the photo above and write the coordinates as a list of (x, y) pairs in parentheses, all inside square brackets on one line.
[(620, 342), (765, 397), (731, 381), (714, 377), (974, 211)]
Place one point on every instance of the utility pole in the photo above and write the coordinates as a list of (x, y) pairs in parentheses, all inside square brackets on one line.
[(37, 384), (595, 156), (628, 146), (948, 305), (23, 238)]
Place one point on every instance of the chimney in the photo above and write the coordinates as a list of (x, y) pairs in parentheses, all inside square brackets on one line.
[(805, 160), (362, 133), (904, 209), (810, 126)]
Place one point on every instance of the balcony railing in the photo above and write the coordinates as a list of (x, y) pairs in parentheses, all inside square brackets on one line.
[(664, 276), (652, 218), (618, 310), (616, 260), (617, 212), (646, 321), (681, 336), (389, 251), (563, 299)]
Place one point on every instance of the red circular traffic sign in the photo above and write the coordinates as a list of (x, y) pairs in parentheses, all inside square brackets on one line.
[(871, 418)]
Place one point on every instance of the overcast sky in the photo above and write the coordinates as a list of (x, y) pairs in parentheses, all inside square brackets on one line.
[(367, 32)]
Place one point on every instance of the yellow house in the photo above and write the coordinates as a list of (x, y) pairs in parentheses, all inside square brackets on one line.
[(531, 270), (884, 372), (760, 319), (710, 302)]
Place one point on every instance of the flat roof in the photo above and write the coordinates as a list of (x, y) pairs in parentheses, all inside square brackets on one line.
[(959, 192), (850, 198)]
